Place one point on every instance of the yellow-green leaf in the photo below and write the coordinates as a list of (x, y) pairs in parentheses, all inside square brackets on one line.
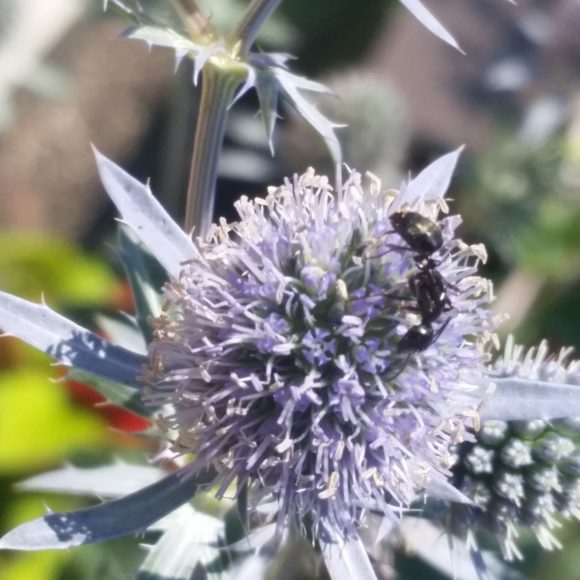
[(37, 566), (31, 265), (39, 425)]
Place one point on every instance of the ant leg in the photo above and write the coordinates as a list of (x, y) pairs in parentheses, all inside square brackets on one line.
[(390, 248), (401, 368), (384, 295), (440, 330), (409, 306), (379, 235), (391, 296)]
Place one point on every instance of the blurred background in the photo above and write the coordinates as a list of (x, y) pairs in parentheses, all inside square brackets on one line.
[(67, 80)]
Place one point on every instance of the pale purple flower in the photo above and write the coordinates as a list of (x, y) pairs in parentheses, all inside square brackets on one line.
[(277, 351)]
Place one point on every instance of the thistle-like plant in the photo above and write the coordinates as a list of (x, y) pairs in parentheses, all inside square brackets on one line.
[(279, 367)]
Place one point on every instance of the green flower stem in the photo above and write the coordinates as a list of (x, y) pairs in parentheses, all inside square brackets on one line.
[(252, 21), (218, 88)]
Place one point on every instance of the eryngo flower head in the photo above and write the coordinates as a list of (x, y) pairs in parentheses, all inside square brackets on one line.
[(521, 475), (278, 350)]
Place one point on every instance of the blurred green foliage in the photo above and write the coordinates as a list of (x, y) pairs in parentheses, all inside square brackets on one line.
[(504, 193), (39, 426), (35, 566), (34, 264), (514, 197)]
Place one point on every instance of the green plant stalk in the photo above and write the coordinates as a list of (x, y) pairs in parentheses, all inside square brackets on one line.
[(250, 24), (218, 88)]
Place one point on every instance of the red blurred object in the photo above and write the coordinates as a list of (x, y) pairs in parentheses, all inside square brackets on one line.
[(122, 298), (116, 417), (11, 354)]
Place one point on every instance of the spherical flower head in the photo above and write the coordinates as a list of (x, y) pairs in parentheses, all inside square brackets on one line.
[(521, 475), (279, 351)]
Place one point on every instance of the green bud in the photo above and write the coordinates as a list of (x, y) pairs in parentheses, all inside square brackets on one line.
[(516, 454), (493, 433), (479, 460), (528, 429), (553, 448)]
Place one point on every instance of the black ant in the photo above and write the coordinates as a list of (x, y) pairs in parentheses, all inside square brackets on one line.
[(424, 237)]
